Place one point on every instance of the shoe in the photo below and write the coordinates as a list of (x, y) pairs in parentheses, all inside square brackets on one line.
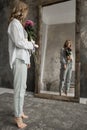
[(24, 116), (19, 122), (62, 93)]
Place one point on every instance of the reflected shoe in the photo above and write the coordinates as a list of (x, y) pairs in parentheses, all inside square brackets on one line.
[(19, 122), (62, 93)]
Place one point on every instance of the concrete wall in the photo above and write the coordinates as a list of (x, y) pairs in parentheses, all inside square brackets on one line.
[(83, 46)]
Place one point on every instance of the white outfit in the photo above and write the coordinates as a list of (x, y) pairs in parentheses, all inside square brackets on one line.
[(19, 57), (18, 43), (20, 78)]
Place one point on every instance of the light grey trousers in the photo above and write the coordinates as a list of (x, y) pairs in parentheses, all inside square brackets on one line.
[(20, 77), (65, 78)]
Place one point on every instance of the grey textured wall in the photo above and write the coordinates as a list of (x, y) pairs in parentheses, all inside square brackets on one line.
[(5, 73), (57, 35), (83, 47)]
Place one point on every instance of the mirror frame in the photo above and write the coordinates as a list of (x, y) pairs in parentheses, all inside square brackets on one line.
[(76, 98)]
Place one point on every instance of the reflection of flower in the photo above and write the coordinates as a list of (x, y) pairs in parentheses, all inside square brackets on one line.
[(68, 51), (29, 27)]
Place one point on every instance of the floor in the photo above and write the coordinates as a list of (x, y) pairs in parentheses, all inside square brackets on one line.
[(4, 90), (70, 93), (43, 114)]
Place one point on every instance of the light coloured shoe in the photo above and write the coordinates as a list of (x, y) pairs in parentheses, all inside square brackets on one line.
[(24, 116), (19, 122), (63, 93)]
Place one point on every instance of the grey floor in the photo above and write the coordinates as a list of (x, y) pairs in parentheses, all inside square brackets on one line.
[(43, 114)]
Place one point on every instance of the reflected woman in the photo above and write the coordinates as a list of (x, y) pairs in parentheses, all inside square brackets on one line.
[(19, 58), (66, 59)]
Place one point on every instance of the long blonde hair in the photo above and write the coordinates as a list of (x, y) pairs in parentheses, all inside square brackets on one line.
[(67, 42), (18, 11)]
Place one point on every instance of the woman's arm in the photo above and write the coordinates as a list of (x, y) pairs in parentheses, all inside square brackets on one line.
[(62, 56), (17, 37)]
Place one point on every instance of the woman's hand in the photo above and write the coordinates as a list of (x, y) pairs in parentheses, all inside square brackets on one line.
[(69, 58), (35, 45)]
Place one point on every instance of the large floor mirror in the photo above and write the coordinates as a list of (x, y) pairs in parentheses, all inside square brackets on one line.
[(57, 52)]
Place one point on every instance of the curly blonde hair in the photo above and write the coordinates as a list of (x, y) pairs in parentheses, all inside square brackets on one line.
[(67, 42), (18, 11)]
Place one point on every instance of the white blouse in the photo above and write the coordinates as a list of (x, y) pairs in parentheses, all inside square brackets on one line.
[(19, 46)]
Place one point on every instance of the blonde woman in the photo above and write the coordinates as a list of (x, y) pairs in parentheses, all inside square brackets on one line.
[(19, 58), (66, 60)]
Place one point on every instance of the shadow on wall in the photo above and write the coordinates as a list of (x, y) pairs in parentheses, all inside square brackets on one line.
[(31, 76), (6, 78)]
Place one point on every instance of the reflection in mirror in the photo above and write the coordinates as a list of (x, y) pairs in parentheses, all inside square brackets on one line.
[(58, 49)]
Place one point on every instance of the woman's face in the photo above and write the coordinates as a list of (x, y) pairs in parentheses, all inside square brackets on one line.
[(25, 14), (69, 44)]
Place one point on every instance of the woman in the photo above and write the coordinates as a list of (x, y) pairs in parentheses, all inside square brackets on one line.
[(19, 58), (66, 60)]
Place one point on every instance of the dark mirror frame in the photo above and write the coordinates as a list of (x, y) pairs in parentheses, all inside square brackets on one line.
[(77, 54)]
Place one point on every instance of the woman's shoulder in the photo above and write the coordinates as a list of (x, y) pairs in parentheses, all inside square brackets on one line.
[(62, 49), (16, 23)]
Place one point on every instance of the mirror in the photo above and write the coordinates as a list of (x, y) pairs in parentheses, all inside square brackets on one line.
[(57, 49)]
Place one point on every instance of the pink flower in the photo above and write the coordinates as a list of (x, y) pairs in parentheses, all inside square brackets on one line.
[(29, 23)]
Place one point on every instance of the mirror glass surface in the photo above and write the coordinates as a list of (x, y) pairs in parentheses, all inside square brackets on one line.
[(57, 38)]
